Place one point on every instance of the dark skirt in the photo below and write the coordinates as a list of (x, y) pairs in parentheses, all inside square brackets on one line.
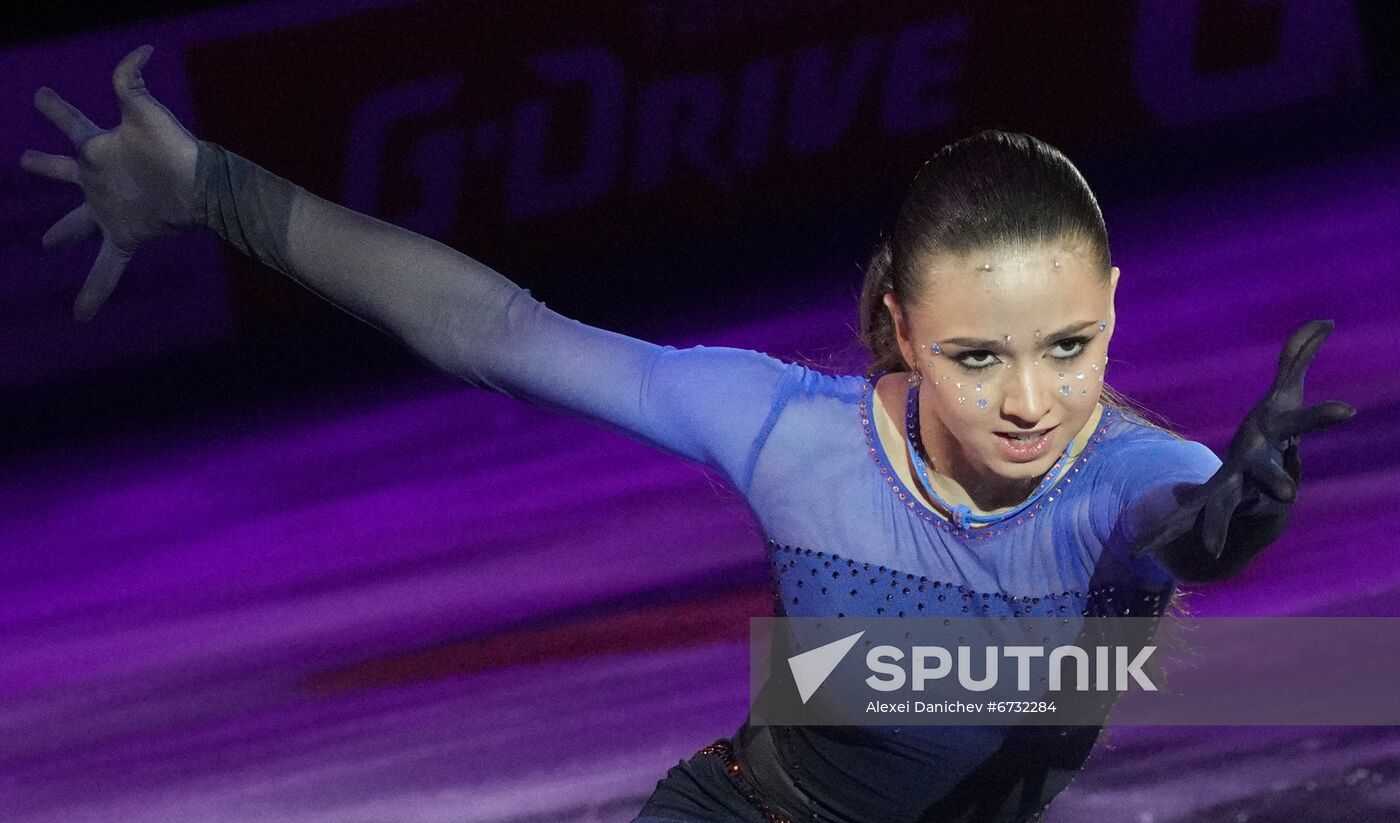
[(1014, 785), (698, 791)]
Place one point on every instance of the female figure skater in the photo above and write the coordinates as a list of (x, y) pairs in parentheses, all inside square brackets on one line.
[(980, 468)]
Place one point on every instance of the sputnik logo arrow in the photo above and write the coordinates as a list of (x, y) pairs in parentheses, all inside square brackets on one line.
[(811, 668)]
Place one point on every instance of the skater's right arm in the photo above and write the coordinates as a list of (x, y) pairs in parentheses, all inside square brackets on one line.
[(150, 177)]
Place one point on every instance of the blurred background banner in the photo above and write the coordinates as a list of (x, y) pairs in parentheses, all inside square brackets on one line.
[(559, 141)]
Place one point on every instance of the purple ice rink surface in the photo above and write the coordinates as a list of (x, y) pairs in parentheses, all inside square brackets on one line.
[(421, 602)]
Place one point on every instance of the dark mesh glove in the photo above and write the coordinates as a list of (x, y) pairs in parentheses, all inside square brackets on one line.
[(1220, 525), (137, 179)]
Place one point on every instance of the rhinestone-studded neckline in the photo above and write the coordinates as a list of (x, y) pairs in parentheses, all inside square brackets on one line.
[(914, 504), (962, 514)]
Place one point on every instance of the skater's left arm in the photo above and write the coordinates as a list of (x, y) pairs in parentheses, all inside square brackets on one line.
[(1210, 531)]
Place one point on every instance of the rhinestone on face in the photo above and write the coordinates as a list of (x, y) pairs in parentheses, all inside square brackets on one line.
[(962, 400), (927, 516), (936, 349), (1064, 390), (1103, 324), (981, 402)]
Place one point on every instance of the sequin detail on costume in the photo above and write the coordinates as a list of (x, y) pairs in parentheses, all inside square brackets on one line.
[(738, 776), (821, 584)]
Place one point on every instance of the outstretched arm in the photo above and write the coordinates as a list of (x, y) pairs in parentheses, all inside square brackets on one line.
[(150, 177), (1210, 531)]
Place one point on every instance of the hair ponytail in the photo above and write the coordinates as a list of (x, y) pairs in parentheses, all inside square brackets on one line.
[(877, 332)]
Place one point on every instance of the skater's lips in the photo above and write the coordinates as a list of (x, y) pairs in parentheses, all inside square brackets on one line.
[(1028, 432)]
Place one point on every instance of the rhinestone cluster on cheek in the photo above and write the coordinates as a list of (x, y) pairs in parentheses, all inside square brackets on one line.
[(911, 501)]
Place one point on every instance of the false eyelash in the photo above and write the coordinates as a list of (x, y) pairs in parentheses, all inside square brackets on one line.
[(967, 368), (1082, 340)]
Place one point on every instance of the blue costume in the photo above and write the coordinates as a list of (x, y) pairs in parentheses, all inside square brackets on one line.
[(844, 538)]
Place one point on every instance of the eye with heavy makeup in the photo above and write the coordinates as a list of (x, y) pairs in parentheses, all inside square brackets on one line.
[(1067, 349)]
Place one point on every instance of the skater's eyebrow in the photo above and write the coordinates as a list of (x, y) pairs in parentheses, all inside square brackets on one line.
[(996, 345)]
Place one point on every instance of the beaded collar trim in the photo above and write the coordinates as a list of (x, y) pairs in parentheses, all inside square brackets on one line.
[(912, 501), (961, 514)]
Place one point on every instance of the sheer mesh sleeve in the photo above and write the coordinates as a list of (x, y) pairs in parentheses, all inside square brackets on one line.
[(1137, 489), (711, 405)]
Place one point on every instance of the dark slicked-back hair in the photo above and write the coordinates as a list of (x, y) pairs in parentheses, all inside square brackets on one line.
[(989, 189)]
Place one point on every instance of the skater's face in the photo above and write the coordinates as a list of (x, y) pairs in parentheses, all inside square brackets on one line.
[(1009, 340)]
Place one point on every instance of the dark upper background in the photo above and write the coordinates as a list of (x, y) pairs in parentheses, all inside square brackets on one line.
[(573, 150)]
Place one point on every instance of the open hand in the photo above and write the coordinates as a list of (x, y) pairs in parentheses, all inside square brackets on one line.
[(1263, 454), (137, 179)]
